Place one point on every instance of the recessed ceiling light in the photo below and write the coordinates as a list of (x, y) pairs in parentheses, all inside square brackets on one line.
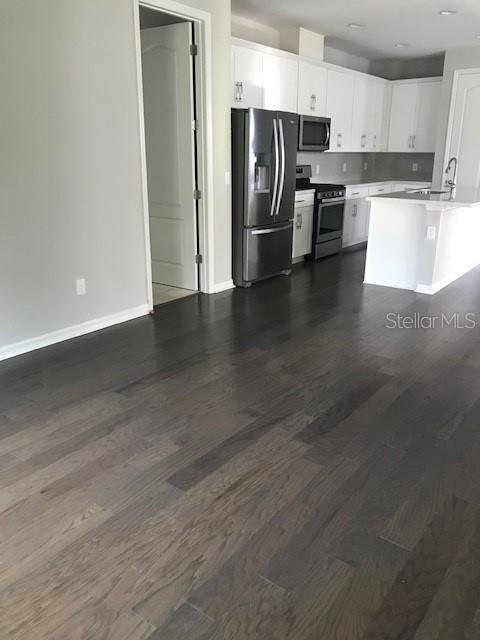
[(446, 12), (402, 45), (356, 25)]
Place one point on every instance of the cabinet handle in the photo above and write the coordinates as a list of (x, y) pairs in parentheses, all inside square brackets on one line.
[(339, 140), (355, 210), (299, 221), (374, 142), (356, 193), (414, 138), (241, 91), (313, 100), (363, 142), (237, 92), (409, 142)]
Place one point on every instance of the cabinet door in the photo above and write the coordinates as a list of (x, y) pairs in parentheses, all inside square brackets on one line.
[(362, 109), (280, 83), (375, 141), (428, 104), (340, 87), (312, 89), (355, 220), (302, 231), (246, 78), (402, 117)]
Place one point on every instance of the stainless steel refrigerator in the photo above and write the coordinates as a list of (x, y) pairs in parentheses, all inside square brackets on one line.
[(264, 153)]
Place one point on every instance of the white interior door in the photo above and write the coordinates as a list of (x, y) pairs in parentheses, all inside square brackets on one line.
[(169, 112), (465, 129)]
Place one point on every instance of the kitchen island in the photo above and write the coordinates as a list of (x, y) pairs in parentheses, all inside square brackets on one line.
[(423, 240)]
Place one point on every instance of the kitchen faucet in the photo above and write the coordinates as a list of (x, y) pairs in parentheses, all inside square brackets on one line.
[(451, 182)]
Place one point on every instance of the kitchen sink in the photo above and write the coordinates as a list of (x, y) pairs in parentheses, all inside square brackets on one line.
[(429, 192)]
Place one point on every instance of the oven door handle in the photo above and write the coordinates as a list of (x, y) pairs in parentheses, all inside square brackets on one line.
[(331, 202), (327, 141)]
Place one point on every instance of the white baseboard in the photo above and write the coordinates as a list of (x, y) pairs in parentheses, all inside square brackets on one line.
[(223, 286), (74, 331)]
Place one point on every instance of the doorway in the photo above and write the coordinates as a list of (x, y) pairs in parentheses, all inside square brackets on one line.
[(464, 127), (167, 45)]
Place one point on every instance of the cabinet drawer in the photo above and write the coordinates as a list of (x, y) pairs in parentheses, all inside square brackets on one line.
[(356, 192), (304, 198), (379, 189)]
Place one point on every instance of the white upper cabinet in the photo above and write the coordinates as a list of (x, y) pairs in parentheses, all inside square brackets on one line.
[(280, 82), (312, 89), (375, 142), (362, 110), (340, 89), (414, 116), (246, 77), (427, 116)]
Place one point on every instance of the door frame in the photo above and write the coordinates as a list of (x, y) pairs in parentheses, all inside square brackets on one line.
[(204, 109), (453, 103)]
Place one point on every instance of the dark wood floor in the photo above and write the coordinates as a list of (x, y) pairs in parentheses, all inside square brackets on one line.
[(271, 463)]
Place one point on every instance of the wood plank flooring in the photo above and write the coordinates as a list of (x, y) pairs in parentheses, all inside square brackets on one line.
[(264, 464)]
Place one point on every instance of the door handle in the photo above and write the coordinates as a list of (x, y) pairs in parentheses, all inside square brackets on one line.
[(275, 182), (282, 166), (261, 232)]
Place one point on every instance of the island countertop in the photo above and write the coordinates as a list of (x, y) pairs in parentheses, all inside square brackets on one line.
[(461, 197)]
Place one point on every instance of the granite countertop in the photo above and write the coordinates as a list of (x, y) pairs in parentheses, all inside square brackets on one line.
[(461, 197), (369, 183)]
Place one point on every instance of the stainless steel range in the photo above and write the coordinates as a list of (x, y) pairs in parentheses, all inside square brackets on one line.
[(328, 220), (328, 213)]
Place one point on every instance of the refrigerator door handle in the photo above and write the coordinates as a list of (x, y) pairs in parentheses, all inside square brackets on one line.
[(282, 170), (275, 183), (261, 232)]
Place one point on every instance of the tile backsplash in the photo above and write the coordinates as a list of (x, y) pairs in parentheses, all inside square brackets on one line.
[(344, 168)]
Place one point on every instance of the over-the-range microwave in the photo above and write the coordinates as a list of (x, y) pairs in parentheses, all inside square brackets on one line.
[(313, 133)]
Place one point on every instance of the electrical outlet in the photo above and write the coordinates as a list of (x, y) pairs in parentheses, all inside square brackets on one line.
[(344, 167), (365, 166), (431, 233), (317, 169), (414, 166), (81, 286)]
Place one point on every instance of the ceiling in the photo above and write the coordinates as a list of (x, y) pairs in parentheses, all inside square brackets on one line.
[(387, 22)]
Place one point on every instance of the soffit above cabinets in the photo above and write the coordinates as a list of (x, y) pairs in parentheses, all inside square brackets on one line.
[(417, 24)]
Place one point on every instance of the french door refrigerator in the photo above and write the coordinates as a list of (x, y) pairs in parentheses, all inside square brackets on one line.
[(264, 152)]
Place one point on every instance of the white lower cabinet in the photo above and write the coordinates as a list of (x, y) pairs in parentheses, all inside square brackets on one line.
[(355, 221), (303, 224)]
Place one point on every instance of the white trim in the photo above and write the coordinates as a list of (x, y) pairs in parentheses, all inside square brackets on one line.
[(204, 86), (74, 331), (143, 157), (224, 286)]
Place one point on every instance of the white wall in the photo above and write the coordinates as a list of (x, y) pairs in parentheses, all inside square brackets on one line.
[(343, 59), (255, 31), (70, 183), (465, 58)]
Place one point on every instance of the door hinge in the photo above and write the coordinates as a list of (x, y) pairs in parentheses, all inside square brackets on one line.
[(198, 258), (197, 194), (195, 126), (193, 50)]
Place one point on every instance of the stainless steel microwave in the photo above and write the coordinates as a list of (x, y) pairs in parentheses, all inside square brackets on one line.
[(313, 133)]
